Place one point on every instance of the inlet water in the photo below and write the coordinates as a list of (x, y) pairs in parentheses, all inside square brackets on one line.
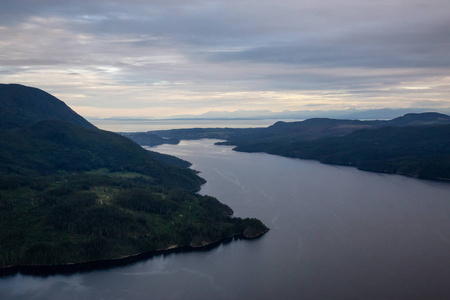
[(336, 233)]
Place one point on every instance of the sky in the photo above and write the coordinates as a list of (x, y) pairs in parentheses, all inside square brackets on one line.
[(158, 58)]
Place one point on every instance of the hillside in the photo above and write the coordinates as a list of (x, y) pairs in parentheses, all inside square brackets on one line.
[(71, 193), (282, 133), (418, 151), (21, 105), (414, 144)]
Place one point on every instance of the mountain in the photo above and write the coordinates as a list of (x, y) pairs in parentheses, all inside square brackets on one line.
[(352, 114), (48, 147), (72, 194), (414, 119), (238, 114), (416, 144), (281, 131), (418, 151), (21, 105)]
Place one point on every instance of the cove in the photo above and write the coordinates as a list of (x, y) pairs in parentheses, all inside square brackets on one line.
[(336, 233)]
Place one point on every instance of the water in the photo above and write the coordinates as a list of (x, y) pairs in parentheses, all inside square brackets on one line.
[(336, 233), (150, 125)]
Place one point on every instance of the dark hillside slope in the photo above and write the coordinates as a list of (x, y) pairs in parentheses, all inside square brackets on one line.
[(416, 144), (419, 151), (420, 119), (71, 193), (48, 147), (310, 129), (282, 133), (21, 105)]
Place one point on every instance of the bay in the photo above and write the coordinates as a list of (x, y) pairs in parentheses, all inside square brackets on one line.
[(336, 233)]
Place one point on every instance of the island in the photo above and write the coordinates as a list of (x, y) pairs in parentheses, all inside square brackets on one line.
[(74, 197)]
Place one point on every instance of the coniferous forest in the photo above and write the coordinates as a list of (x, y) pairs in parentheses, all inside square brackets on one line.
[(71, 193)]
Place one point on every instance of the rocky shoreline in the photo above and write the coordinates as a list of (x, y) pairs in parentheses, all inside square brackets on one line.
[(89, 266)]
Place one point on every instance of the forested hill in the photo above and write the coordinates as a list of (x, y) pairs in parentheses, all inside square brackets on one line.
[(21, 105), (418, 151), (281, 132), (415, 144), (72, 193)]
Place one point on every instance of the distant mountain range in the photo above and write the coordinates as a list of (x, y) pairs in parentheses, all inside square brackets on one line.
[(350, 114)]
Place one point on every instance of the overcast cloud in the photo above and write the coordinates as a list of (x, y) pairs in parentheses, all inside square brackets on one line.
[(160, 58)]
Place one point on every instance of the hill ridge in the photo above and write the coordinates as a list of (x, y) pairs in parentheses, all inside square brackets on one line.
[(21, 105), (71, 193)]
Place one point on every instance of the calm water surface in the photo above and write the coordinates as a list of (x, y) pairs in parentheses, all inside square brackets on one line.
[(118, 125), (336, 233)]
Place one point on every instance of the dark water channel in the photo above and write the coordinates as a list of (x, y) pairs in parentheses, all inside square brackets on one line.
[(336, 233)]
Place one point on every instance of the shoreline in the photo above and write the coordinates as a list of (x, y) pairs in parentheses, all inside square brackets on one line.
[(102, 264), (434, 179)]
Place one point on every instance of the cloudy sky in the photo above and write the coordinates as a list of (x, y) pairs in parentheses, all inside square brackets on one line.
[(155, 58)]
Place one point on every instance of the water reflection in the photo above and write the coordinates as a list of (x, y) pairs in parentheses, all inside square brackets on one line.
[(336, 233)]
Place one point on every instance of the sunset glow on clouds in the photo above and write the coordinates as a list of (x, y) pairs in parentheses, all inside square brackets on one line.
[(162, 58)]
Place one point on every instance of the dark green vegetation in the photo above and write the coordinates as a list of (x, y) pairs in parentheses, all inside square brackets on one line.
[(89, 216), (422, 152), (416, 144), (173, 136), (20, 106), (71, 193), (149, 139)]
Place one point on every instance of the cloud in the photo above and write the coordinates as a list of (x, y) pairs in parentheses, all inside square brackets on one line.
[(221, 55)]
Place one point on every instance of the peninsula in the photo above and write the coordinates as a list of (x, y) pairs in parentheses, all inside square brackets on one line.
[(72, 194)]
